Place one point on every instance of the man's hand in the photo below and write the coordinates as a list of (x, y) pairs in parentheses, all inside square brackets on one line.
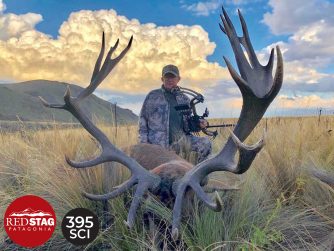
[(203, 123)]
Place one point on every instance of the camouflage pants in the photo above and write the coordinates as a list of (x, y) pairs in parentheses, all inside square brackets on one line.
[(190, 143)]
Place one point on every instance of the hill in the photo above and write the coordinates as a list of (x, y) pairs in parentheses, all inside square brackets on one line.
[(21, 100)]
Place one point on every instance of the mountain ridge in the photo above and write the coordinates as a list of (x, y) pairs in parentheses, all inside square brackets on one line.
[(19, 101)]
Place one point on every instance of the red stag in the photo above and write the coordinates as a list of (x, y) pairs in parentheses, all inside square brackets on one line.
[(258, 88)]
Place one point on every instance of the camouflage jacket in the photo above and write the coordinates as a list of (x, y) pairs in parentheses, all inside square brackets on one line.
[(154, 117)]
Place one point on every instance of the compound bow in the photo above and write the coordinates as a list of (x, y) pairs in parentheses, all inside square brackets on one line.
[(193, 118)]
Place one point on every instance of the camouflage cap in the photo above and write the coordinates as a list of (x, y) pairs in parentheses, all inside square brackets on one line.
[(170, 69)]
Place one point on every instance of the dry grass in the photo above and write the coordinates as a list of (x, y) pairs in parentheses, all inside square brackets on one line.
[(279, 205)]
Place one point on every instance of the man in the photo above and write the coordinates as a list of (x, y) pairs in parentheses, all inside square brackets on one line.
[(161, 124)]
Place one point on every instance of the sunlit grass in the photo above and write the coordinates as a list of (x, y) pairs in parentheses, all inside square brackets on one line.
[(279, 206)]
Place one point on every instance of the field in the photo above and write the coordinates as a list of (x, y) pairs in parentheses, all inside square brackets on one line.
[(279, 205)]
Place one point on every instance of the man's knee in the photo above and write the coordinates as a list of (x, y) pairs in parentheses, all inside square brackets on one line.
[(203, 147), (199, 143), (206, 142)]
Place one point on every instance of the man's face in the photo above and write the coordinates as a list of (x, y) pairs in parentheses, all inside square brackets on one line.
[(170, 81)]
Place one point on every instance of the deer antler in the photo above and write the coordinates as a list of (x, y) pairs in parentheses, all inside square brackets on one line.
[(323, 176), (139, 176), (258, 89)]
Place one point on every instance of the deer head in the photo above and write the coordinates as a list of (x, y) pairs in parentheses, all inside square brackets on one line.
[(258, 89)]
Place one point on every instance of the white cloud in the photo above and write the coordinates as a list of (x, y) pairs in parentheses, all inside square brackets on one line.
[(288, 16), (203, 8), (12, 25), (222, 108), (2, 6), (71, 57), (242, 2), (309, 49), (296, 73), (206, 8), (311, 101), (313, 44), (230, 106)]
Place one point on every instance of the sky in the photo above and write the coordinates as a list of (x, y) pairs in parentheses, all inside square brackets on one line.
[(60, 40)]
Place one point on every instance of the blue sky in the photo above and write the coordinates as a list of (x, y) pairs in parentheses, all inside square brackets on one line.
[(58, 40)]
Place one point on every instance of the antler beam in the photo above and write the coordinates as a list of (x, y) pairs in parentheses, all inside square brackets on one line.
[(258, 89), (144, 179)]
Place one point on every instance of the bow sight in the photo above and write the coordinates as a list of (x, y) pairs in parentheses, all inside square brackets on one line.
[(193, 119)]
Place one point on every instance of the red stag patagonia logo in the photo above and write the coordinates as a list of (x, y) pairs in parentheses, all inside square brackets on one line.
[(30, 221)]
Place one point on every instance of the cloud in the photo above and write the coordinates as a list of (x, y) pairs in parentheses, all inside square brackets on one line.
[(293, 105), (206, 8), (237, 2), (296, 73), (222, 107), (288, 17), (2, 6), (313, 44), (12, 25), (311, 28), (311, 101), (241, 2), (30, 54), (309, 48), (203, 8)]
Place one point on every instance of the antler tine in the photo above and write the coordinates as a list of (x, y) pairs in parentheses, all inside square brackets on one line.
[(100, 74), (240, 57), (215, 206), (141, 189), (270, 63), (118, 191), (222, 28), (99, 59), (236, 77), (88, 163), (144, 179), (245, 41), (180, 191), (278, 79), (47, 104), (323, 176), (258, 89), (228, 20)]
